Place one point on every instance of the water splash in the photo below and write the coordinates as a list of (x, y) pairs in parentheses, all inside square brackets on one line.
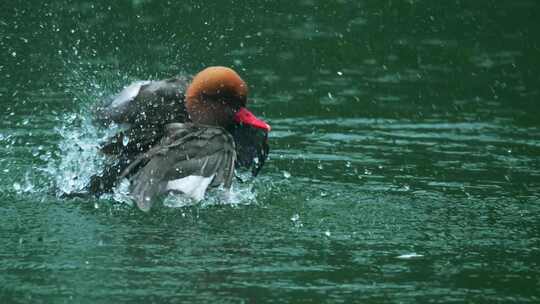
[(79, 159), (25, 185), (239, 194), (79, 156)]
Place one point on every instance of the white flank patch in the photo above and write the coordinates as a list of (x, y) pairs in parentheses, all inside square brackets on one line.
[(193, 185), (128, 93)]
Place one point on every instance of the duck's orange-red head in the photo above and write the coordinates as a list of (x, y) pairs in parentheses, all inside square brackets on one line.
[(218, 96)]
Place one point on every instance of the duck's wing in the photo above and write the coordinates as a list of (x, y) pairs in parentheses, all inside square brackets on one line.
[(251, 147), (143, 109), (188, 159)]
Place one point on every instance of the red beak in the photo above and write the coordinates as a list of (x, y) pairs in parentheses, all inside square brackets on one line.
[(244, 116)]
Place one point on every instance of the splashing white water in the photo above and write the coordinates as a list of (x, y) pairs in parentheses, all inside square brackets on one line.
[(79, 157), (239, 194)]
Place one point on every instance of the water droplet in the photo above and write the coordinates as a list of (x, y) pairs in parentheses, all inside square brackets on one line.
[(286, 174), (412, 255), (125, 141)]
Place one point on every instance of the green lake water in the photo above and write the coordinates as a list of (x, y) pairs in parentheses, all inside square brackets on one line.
[(404, 165)]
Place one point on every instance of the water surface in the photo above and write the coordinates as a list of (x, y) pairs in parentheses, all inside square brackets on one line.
[(404, 160)]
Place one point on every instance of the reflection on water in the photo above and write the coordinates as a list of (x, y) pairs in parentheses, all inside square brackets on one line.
[(403, 167)]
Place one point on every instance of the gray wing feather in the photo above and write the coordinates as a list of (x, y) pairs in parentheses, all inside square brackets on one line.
[(185, 150)]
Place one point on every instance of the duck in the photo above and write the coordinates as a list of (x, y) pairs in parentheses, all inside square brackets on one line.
[(180, 136)]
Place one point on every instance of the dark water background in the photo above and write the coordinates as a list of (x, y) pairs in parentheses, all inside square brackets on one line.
[(404, 167)]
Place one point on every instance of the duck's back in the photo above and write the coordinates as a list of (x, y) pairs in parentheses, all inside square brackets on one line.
[(147, 103), (143, 109)]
